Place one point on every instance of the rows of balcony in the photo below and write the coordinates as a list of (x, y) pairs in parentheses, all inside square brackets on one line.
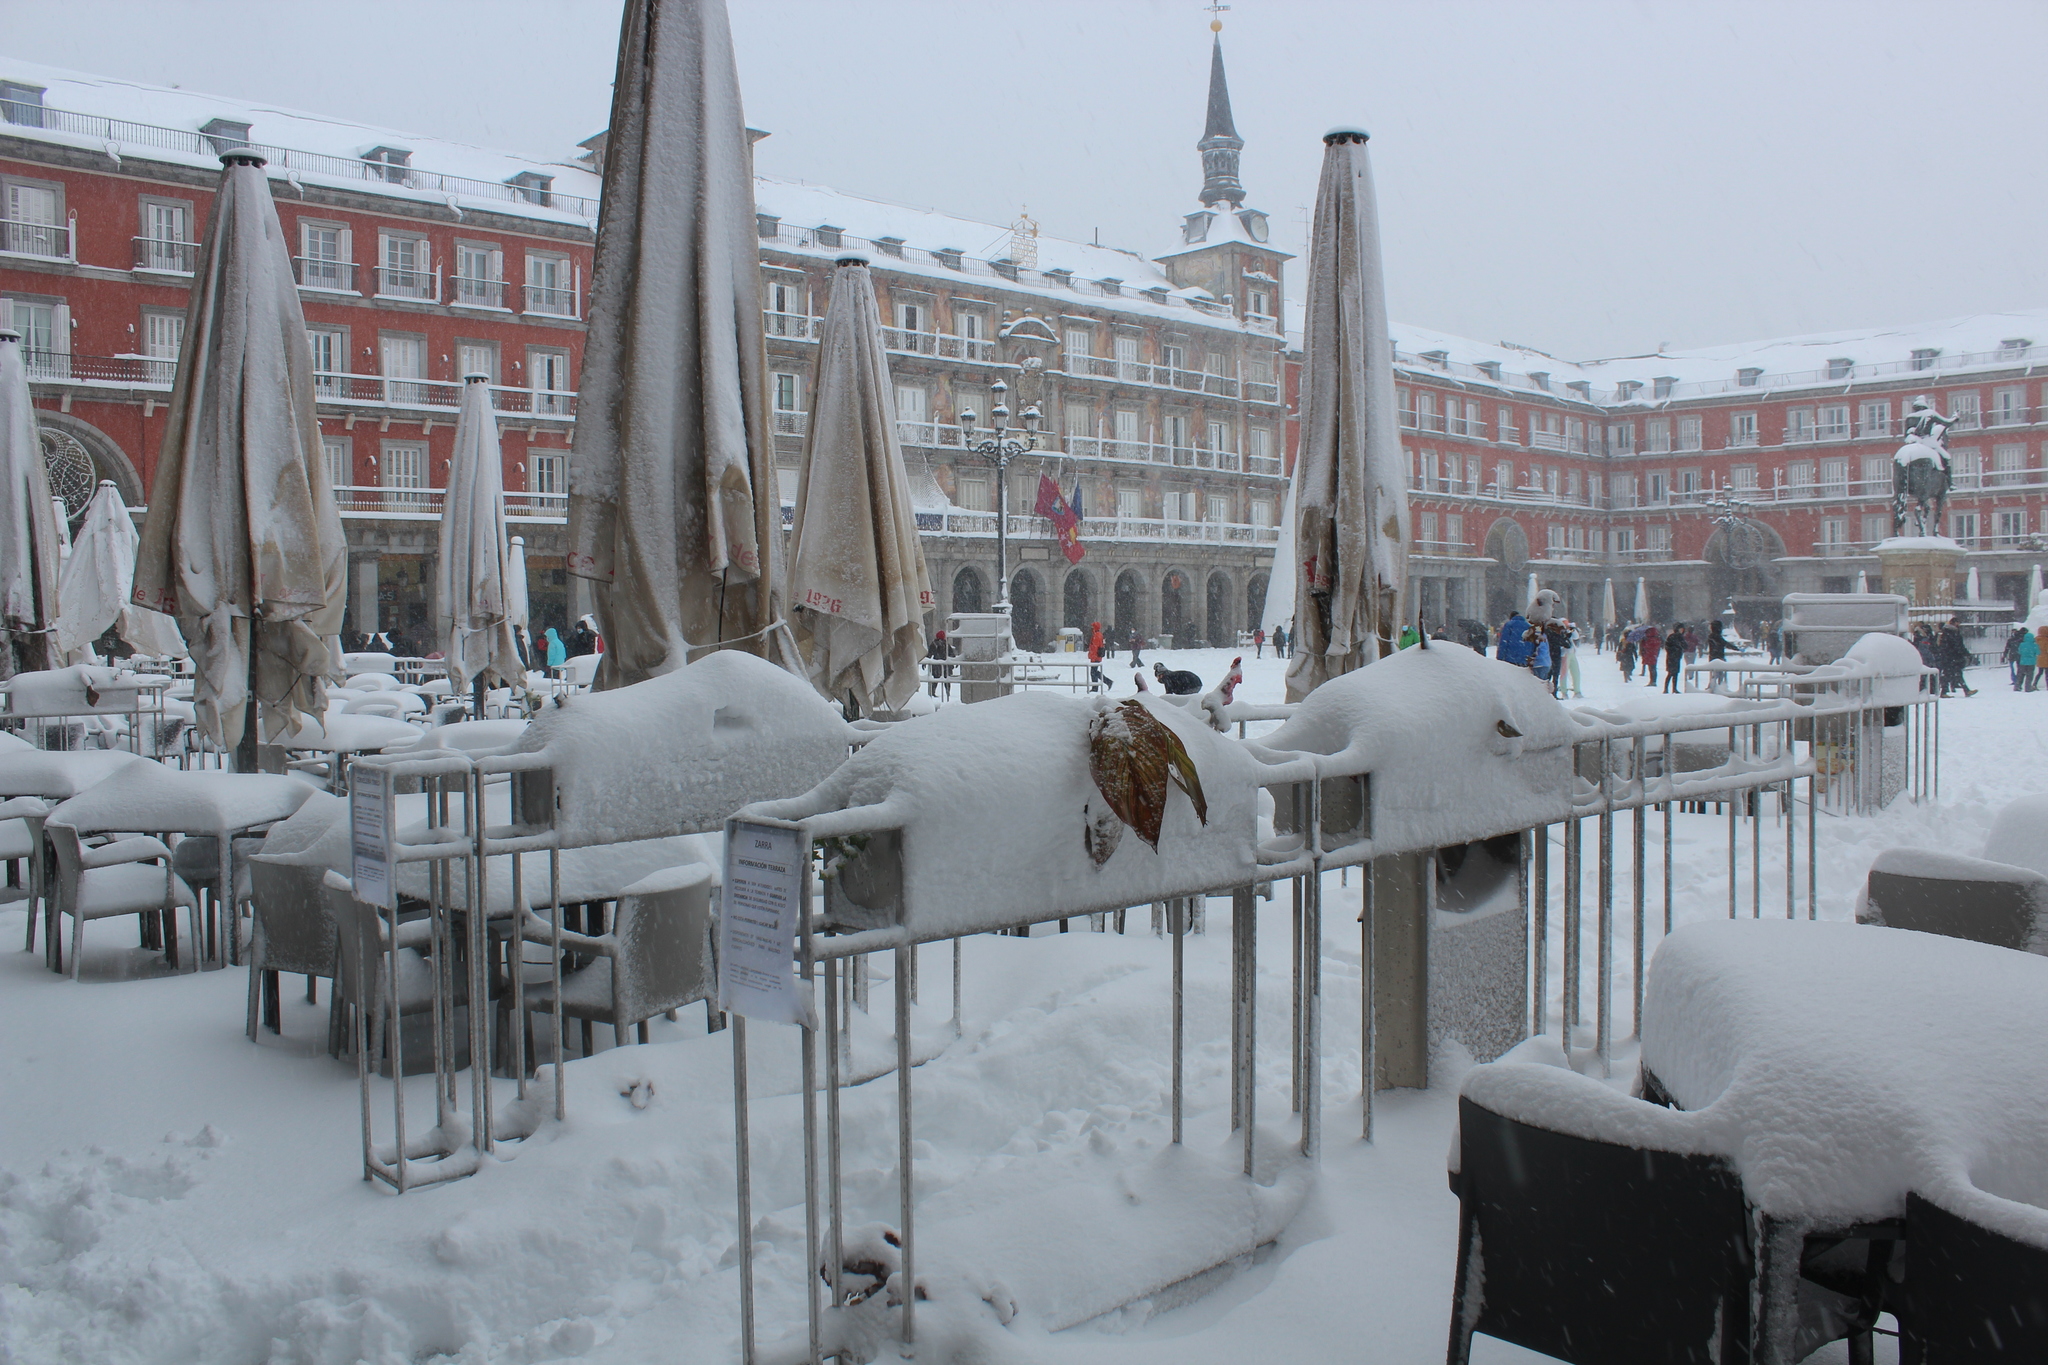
[(955, 522), (947, 436), (329, 386), (394, 503), (982, 350), (324, 276)]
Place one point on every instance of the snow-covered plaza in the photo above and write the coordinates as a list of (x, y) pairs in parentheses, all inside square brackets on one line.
[(174, 1192)]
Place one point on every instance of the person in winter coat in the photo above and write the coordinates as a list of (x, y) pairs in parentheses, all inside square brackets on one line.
[(582, 640), (1541, 661), (2028, 652), (1653, 650), (1409, 636), (1625, 655), (1923, 641), (941, 672), (1674, 659), (1717, 653), (557, 653), (1955, 657), (2010, 655), (1556, 634), (1095, 652), (1570, 671), (1259, 643), (1513, 645)]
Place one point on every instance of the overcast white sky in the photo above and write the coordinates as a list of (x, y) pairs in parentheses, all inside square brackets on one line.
[(1592, 177)]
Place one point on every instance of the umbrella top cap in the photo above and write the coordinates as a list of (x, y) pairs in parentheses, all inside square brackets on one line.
[(9, 334), (243, 156), (477, 378), (1346, 134), (852, 258)]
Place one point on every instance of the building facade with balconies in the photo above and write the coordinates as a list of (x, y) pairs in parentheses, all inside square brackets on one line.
[(418, 262)]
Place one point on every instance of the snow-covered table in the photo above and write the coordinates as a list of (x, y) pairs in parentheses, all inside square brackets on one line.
[(146, 797), (56, 775), (1841, 1065)]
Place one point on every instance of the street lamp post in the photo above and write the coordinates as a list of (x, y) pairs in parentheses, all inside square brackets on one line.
[(999, 449)]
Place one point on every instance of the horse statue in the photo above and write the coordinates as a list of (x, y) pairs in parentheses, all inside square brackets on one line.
[(1920, 471)]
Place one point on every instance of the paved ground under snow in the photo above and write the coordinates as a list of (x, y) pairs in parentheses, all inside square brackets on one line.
[(170, 1192)]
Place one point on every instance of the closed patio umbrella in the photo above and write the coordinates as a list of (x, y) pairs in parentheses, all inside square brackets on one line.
[(515, 595), (1862, 581), (1534, 588), (857, 580), (672, 508), (242, 543), (1970, 585), (2036, 590), (472, 615), (1642, 603), (1608, 617), (1351, 548), (31, 543), (99, 577)]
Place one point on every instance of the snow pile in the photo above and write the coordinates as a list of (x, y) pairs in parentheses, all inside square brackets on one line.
[(2019, 835), (38, 772), (82, 689), (151, 797), (680, 752), (1834, 1100), (995, 800), (1459, 746)]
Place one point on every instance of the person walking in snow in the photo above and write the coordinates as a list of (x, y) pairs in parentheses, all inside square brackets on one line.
[(1136, 662), (1653, 650), (1954, 655), (1259, 643), (2010, 655), (1674, 659), (1095, 652), (1717, 653), (2028, 652), (1625, 655)]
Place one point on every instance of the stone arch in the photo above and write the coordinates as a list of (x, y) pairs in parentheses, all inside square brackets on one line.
[(1176, 595), (1219, 599), (109, 461), (1507, 545), (968, 596), (1077, 601), (1129, 605), (1255, 600), (1742, 572), (1027, 626)]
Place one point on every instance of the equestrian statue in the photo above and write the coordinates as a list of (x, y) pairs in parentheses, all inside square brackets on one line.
[(1920, 471)]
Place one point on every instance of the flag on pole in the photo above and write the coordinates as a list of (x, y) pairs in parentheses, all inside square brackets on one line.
[(1066, 522)]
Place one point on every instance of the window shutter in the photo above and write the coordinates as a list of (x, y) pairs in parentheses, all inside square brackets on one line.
[(60, 329)]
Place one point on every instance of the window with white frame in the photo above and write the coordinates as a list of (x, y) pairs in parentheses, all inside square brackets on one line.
[(1689, 429), (1575, 435), (325, 259), (1624, 490), (1425, 527), (1262, 511), (1876, 526), (1624, 538), (1550, 482), (1834, 533), (1966, 409), (1657, 436), (1876, 418), (550, 285), (337, 453), (1503, 477), (1798, 424), (1179, 504), (1454, 528), (166, 242), (1742, 429), (403, 465), (1504, 424), (1453, 471), (1078, 419), (1219, 507), (2011, 527), (2008, 407), (1404, 404), (1130, 503), (971, 325), (1557, 541), (479, 275), (1877, 474), (547, 374), (330, 358), (1834, 422), (1799, 475), (1621, 438), (1659, 540), (1966, 466), (1173, 355), (547, 472), (477, 357), (1129, 426), (1571, 485), (1657, 486), (1222, 437), (403, 356), (1178, 438), (33, 222), (1425, 475), (1834, 478), (1425, 411), (1962, 529), (45, 327), (1742, 478), (1687, 482), (972, 492), (2008, 465), (1128, 348), (1259, 450), (163, 332), (788, 307), (1080, 346), (405, 267)]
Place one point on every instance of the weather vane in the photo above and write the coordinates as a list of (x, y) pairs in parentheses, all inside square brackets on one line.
[(1216, 24)]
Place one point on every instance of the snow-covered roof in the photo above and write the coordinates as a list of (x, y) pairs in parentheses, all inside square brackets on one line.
[(1947, 348), (943, 246), (130, 118)]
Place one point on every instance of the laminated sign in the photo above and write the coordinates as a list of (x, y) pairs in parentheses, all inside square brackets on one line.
[(765, 890), (371, 838)]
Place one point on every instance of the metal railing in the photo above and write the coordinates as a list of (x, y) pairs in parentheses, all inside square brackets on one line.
[(397, 282), (788, 423), (377, 500), (46, 241), (472, 292), (551, 301), (315, 272), (166, 255), (285, 162)]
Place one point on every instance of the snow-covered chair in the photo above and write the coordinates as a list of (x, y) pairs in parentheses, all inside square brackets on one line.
[(363, 963), (126, 877), (370, 662), (1945, 893), (1564, 1236), (293, 932), (373, 682), (1974, 1293), (656, 959), (397, 705), (581, 671), (21, 839)]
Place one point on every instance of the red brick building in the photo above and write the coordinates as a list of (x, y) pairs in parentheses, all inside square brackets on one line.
[(418, 261)]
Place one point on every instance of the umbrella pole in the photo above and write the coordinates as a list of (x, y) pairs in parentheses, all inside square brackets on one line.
[(245, 747)]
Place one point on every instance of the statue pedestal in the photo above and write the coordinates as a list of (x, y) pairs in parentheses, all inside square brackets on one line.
[(1921, 569)]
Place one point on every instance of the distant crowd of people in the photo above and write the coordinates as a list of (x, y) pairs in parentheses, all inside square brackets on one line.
[(2024, 651)]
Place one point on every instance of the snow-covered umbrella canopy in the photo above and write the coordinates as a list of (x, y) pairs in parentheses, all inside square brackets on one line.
[(515, 583), (1607, 614), (1862, 581), (30, 542), (1534, 588), (1351, 547), (99, 577), (243, 544), (672, 507), (1279, 606), (2037, 590), (858, 586), (471, 617), (1642, 602), (1970, 585)]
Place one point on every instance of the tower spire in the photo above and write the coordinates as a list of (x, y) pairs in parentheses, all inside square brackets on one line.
[(1220, 143)]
